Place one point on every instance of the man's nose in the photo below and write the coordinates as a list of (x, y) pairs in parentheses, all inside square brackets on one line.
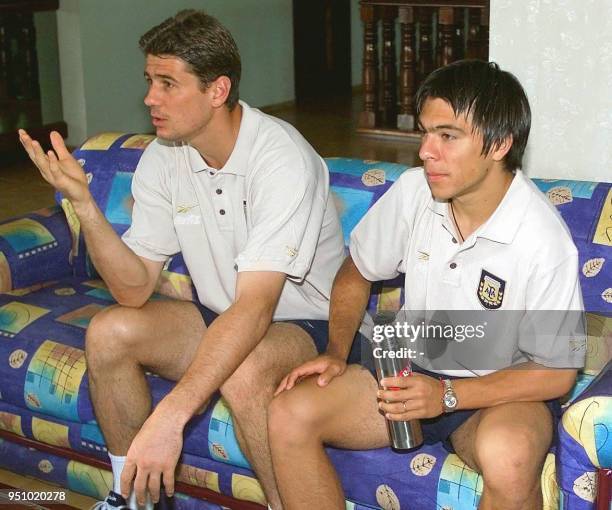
[(428, 149), (151, 98)]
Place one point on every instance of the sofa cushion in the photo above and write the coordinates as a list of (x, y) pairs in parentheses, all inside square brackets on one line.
[(44, 395), (109, 161), (586, 208)]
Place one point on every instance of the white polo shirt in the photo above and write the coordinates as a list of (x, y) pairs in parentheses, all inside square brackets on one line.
[(521, 258), (267, 209)]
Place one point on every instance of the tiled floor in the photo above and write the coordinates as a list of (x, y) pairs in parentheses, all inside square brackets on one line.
[(22, 189), (329, 125)]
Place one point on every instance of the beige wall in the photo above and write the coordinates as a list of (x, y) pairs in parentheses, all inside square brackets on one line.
[(101, 65), (45, 24), (562, 53)]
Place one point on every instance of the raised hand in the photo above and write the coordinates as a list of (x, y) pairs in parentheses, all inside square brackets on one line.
[(58, 167)]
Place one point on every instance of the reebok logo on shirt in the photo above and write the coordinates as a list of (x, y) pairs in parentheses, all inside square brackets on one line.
[(182, 209)]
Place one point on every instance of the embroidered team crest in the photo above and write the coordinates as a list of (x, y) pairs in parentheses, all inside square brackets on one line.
[(491, 290)]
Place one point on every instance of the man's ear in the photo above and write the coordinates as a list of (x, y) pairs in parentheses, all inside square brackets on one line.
[(498, 153), (220, 89)]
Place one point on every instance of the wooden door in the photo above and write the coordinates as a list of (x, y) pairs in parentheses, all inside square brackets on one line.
[(322, 48)]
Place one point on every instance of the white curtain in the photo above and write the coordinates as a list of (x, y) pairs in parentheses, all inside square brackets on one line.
[(561, 51)]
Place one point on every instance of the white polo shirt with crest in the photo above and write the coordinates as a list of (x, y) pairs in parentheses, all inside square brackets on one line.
[(268, 209), (521, 258)]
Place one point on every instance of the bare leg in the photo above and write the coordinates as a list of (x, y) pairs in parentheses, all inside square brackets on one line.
[(301, 421), (161, 336), (507, 444), (250, 389)]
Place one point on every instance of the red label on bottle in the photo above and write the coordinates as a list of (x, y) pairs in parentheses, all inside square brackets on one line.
[(405, 372)]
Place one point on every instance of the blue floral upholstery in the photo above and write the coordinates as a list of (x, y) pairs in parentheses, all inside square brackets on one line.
[(51, 292)]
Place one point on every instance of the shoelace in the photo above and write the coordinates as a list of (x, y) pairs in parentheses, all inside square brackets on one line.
[(106, 504), (103, 505)]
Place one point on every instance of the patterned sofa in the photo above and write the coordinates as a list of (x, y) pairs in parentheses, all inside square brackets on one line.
[(49, 292)]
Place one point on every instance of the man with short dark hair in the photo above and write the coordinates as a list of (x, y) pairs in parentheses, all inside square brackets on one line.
[(246, 201), (470, 232)]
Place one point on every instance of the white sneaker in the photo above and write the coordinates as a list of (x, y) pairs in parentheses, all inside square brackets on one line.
[(113, 501)]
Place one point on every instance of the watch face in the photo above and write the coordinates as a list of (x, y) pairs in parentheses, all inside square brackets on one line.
[(450, 401)]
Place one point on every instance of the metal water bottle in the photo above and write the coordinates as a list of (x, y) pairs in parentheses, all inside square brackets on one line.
[(404, 435)]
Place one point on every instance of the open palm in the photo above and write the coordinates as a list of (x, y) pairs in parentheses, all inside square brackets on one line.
[(58, 167)]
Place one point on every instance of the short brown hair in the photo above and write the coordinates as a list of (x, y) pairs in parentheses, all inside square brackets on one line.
[(202, 42)]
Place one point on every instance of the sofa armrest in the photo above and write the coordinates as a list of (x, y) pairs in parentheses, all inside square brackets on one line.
[(585, 441), (588, 420), (34, 248)]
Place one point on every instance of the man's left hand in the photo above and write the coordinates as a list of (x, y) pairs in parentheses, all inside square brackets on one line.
[(153, 454), (417, 396)]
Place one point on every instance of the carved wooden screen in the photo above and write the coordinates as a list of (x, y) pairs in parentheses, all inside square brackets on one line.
[(431, 33)]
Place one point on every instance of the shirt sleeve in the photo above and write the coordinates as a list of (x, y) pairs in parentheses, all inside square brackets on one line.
[(151, 234), (378, 242), (553, 330), (285, 209)]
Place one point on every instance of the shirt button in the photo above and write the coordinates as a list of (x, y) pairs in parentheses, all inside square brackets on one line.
[(218, 191), (454, 240), (211, 173), (453, 265), (221, 212)]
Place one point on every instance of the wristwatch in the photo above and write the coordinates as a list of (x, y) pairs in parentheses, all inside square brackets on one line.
[(449, 398)]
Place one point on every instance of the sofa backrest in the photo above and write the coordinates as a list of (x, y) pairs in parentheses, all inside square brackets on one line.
[(110, 159)]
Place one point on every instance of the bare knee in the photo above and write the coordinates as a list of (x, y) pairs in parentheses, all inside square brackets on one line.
[(510, 459), (111, 336), (296, 417)]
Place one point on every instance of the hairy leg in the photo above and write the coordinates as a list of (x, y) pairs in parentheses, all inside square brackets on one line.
[(301, 421), (250, 389), (121, 343), (507, 444)]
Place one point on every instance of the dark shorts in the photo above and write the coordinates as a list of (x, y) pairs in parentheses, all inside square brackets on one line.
[(317, 329), (439, 429)]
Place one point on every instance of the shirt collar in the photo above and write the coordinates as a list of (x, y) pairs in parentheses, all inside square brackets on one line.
[(505, 221), (237, 163)]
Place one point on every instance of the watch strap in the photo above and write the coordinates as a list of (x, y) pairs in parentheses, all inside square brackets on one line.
[(449, 391)]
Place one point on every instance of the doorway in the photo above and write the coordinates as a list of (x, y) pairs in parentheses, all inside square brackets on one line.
[(322, 48)]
